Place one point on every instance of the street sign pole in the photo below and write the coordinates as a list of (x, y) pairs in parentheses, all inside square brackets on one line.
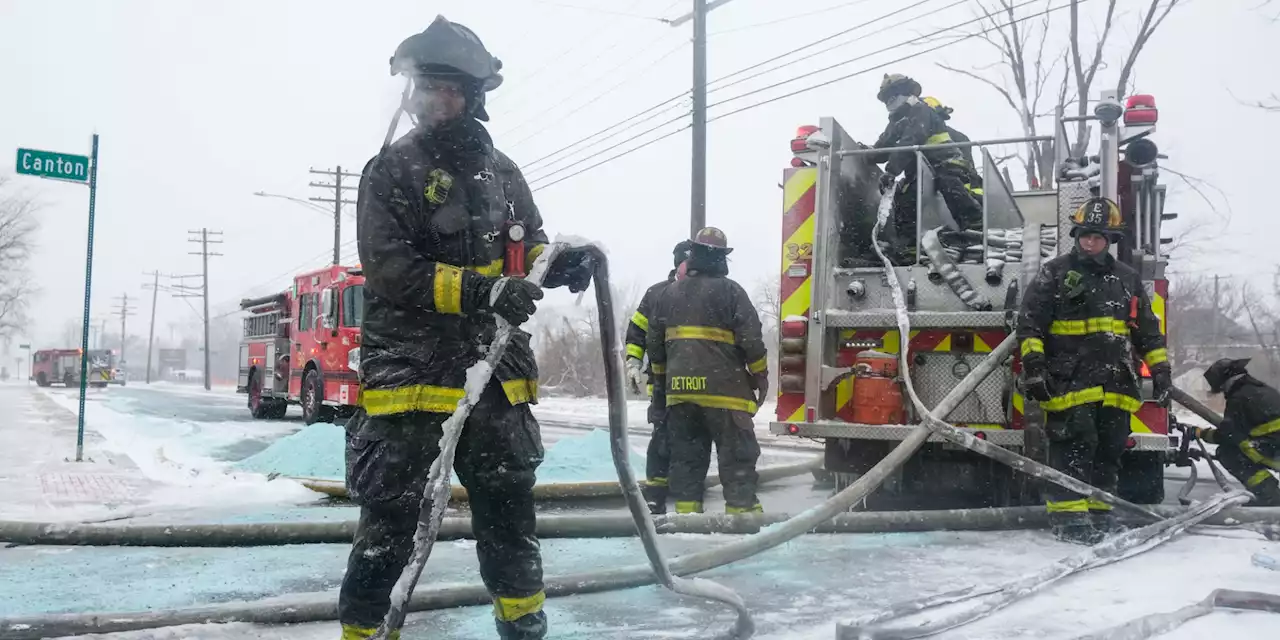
[(88, 286)]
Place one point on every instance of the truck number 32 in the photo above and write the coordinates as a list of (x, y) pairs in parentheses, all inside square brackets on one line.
[(799, 251)]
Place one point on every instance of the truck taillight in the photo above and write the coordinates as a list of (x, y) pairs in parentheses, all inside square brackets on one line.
[(800, 143), (1146, 371), (796, 328), (1141, 110)]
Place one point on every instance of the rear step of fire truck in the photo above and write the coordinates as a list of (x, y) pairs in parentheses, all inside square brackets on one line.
[(838, 334)]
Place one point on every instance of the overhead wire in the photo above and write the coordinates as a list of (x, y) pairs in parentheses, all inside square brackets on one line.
[(797, 16), (595, 139), (289, 272), (819, 85)]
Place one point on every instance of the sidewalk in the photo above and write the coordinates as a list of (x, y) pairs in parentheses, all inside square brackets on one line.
[(39, 479)]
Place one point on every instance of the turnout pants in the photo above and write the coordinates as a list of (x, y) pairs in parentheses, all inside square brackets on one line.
[(693, 431), (388, 461), (1086, 443), (657, 465), (1255, 474)]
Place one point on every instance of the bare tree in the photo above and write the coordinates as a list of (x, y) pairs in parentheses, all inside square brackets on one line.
[(17, 234)]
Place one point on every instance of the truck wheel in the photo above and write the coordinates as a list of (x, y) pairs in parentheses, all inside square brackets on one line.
[(1142, 477), (42, 380), (278, 409), (313, 409), (259, 407)]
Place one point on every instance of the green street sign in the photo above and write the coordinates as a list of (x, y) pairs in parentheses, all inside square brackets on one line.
[(51, 164)]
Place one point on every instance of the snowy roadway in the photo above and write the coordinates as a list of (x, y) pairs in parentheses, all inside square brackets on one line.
[(181, 445)]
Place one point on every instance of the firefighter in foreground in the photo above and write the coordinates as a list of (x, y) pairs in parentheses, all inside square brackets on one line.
[(438, 210), (711, 373), (1081, 319), (912, 122), (658, 457), (1249, 438)]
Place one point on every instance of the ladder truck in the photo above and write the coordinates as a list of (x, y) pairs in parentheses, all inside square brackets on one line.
[(839, 342)]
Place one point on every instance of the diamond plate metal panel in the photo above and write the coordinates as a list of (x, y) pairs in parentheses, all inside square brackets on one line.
[(919, 320), (1070, 196), (832, 429), (936, 374)]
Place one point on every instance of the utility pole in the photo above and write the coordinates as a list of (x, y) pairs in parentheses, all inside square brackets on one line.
[(698, 178), (151, 334), (204, 239), (1216, 312), (125, 311), (337, 175)]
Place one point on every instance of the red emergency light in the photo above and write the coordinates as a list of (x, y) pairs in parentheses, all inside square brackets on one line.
[(795, 328), (1141, 110), (1130, 443), (1145, 370), (793, 429), (800, 143), (980, 435)]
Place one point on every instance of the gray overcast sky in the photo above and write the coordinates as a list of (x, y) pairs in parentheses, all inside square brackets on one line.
[(200, 104)]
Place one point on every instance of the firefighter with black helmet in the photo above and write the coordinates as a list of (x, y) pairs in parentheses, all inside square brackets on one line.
[(912, 122), (446, 227), (711, 373), (945, 112), (657, 464), (1249, 437), (1082, 319)]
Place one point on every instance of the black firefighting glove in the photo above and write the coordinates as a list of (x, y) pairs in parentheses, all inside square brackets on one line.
[(514, 298), (1162, 383), (1034, 383), (572, 268), (760, 382)]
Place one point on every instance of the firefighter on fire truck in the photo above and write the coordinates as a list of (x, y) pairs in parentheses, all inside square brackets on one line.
[(945, 112), (1080, 321), (913, 122), (444, 219), (658, 456), (711, 373), (1249, 438)]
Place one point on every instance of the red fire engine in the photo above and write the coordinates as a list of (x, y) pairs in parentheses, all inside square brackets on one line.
[(302, 346), (62, 366)]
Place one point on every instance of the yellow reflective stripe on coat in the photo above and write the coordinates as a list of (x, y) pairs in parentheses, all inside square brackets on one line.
[(512, 609), (421, 397), (1092, 394), (1156, 356), (688, 506), (657, 368), (1266, 428), (448, 288), (1032, 345), (939, 138), (713, 402), (639, 320), (1257, 478), (657, 482), (1251, 452), (492, 270), (635, 351), (1090, 325), (520, 391), (755, 508), (1097, 505), (531, 256), (759, 366), (355, 632), (700, 333), (1067, 506)]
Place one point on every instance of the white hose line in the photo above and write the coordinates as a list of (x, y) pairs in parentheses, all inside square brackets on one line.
[(435, 496), (1158, 624)]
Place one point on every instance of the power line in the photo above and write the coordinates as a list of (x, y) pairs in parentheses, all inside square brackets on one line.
[(682, 116), (788, 18), (793, 93), (202, 238), (337, 200), (595, 140), (566, 5)]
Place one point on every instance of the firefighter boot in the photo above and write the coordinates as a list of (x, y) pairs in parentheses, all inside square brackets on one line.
[(1106, 523), (528, 627), (1266, 493), (1075, 528), (655, 495)]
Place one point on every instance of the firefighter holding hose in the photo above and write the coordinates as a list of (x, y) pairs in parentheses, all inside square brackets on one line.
[(1249, 438), (658, 457), (711, 373), (1081, 320), (446, 225)]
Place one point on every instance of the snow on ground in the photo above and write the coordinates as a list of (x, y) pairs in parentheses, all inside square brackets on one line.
[(315, 451), (585, 458)]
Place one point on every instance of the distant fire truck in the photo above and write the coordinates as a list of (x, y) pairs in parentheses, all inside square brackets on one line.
[(62, 366), (839, 341), (302, 346)]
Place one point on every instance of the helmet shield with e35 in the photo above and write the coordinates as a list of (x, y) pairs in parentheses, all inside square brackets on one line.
[(1098, 215)]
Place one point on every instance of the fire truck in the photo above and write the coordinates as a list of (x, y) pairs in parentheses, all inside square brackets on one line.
[(62, 366), (302, 346), (839, 341)]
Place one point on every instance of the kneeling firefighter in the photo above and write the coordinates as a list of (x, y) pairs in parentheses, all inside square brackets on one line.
[(710, 371), (445, 224), (658, 457), (1081, 319), (912, 122), (1249, 438)]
